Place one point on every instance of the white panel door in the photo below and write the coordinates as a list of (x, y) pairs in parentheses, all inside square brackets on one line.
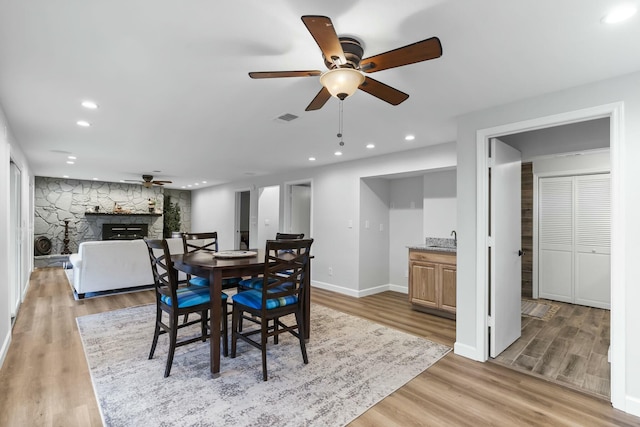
[(555, 239), (593, 240), (506, 270)]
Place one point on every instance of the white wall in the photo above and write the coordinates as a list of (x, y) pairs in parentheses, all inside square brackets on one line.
[(374, 234), (626, 316), (439, 204), (268, 214), (405, 227), (10, 150), (572, 165), (581, 136), (336, 206)]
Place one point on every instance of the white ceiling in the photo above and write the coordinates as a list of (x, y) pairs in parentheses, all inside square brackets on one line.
[(171, 78)]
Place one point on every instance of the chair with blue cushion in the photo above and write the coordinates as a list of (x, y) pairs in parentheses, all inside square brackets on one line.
[(176, 300), (205, 242), (282, 293), (256, 282)]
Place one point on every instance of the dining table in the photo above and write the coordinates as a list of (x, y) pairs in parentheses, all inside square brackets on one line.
[(216, 268)]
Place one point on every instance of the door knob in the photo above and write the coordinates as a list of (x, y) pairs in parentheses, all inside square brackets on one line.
[(520, 252)]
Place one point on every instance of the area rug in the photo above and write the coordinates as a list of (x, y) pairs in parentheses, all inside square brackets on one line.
[(539, 309), (353, 364)]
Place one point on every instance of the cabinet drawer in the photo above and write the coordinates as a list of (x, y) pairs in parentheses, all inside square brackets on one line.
[(438, 257)]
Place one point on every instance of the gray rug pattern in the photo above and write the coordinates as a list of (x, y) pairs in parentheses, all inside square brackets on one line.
[(353, 364)]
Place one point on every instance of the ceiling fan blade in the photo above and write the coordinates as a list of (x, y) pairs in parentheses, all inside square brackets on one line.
[(410, 54), (383, 91), (162, 182), (318, 102), (321, 28), (274, 74)]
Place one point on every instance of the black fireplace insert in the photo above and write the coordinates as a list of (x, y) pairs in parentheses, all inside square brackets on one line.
[(124, 231)]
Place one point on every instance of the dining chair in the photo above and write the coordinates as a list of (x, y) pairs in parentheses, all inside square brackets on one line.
[(205, 242), (256, 282), (176, 300), (282, 293)]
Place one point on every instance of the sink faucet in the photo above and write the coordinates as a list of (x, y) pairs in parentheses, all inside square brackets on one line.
[(455, 237)]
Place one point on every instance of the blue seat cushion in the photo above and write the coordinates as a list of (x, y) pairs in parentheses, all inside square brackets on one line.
[(190, 296), (226, 282), (254, 283), (253, 299)]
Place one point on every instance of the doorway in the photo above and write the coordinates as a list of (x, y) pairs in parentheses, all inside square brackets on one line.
[(538, 337), (243, 206), (15, 254), (298, 208)]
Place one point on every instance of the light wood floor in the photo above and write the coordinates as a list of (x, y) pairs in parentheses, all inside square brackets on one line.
[(45, 380), (570, 348)]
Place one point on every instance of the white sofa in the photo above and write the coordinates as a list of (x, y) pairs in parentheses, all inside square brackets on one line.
[(114, 264)]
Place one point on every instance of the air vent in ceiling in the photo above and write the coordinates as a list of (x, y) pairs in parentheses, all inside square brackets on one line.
[(285, 118)]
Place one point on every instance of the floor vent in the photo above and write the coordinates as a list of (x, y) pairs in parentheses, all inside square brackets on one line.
[(287, 117)]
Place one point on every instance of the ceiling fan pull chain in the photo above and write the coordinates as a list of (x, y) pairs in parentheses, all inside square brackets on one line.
[(340, 122)]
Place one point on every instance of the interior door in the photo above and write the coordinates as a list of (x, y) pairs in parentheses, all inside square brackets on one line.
[(505, 261), (300, 209), (15, 254)]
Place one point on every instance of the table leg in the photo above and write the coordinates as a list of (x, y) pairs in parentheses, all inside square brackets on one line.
[(307, 302), (215, 293)]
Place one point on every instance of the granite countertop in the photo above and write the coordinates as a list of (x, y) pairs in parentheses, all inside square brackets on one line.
[(434, 244)]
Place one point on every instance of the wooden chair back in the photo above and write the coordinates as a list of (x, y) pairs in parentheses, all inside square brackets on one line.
[(289, 236), (195, 242), (165, 277), (285, 266)]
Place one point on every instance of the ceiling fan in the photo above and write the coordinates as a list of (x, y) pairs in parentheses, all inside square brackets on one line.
[(148, 181), (343, 57)]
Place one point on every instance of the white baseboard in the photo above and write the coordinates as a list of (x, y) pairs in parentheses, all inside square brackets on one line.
[(468, 352), (359, 293), (5, 348)]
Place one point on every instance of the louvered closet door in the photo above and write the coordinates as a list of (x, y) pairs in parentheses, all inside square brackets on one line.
[(593, 240), (555, 239), (574, 239)]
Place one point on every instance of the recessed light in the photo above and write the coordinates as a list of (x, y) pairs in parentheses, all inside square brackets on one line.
[(122, 180), (197, 183), (370, 146), (409, 137), (71, 157), (90, 105), (189, 185), (204, 182), (338, 153), (65, 176), (183, 187), (83, 123), (620, 13), (70, 162), (312, 159), (95, 179)]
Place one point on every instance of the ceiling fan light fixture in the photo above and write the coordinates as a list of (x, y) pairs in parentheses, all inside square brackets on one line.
[(342, 82)]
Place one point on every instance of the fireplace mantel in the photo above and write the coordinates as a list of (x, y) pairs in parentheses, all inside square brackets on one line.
[(120, 214)]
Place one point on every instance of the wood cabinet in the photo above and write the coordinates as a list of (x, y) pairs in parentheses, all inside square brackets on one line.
[(432, 282)]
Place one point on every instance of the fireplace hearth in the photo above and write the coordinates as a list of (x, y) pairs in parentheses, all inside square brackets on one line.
[(124, 231)]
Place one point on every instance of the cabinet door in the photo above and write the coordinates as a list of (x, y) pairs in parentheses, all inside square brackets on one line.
[(424, 284), (448, 297)]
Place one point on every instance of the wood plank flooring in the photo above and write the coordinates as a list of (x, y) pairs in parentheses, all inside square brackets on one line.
[(45, 380), (570, 348)]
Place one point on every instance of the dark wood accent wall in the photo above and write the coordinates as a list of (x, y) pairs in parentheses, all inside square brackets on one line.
[(526, 182)]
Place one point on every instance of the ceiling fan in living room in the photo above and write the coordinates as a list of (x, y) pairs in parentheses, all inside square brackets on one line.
[(148, 181), (343, 57)]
